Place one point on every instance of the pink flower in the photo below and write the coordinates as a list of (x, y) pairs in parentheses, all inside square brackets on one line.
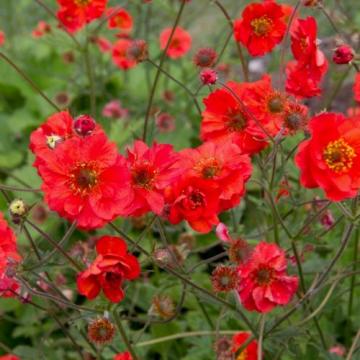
[(114, 110)]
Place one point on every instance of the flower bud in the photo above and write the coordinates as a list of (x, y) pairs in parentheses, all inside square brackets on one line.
[(208, 76), (224, 278), (343, 54), (84, 125), (162, 306), (18, 209)]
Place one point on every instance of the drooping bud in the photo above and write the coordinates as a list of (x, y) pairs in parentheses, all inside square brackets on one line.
[(138, 51), (208, 76), (223, 349), (101, 331), (343, 54), (205, 57), (84, 125)]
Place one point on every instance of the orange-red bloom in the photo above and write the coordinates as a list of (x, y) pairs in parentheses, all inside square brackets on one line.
[(305, 74), (9, 357), (9, 256), (57, 129), (2, 38), (227, 118), (152, 169), (120, 19), (222, 166), (75, 14), (82, 180), (330, 159), (194, 200), (357, 87), (250, 352), (123, 356), (121, 55), (261, 27), (110, 269), (264, 283), (180, 43)]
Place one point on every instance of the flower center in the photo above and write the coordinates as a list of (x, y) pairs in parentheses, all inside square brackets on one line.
[(143, 176), (82, 2), (262, 26), (208, 168), (196, 199), (242, 355), (264, 276), (339, 155), (276, 104), (237, 120), (83, 179)]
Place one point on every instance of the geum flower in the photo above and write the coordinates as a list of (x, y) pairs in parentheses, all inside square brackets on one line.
[(264, 283), (83, 181), (229, 118), (112, 266), (330, 158), (151, 170), (180, 43), (75, 14), (262, 26), (222, 166)]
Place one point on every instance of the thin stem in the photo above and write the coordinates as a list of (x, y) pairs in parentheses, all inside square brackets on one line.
[(123, 335), (185, 335), (183, 86), (354, 268), (353, 346), (238, 46), (14, 188), (29, 81), (158, 72), (261, 337), (55, 244), (90, 74)]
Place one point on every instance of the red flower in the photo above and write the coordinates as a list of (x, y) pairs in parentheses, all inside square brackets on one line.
[(152, 170), (113, 109), (250, 352), (41, 29), (9, 357), (263, 280), (75, 14), (2, 38), (110, 269), (82, 181), (123, 356), (357, 87), (222, 166), (261, 27), (330, 159), (8, 257), (301, 81), (194, 200), (267, 104), (180, 42), (57, 128), (208, 76), (120, 54), (225, 119), (303, 76), (120, 19)]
